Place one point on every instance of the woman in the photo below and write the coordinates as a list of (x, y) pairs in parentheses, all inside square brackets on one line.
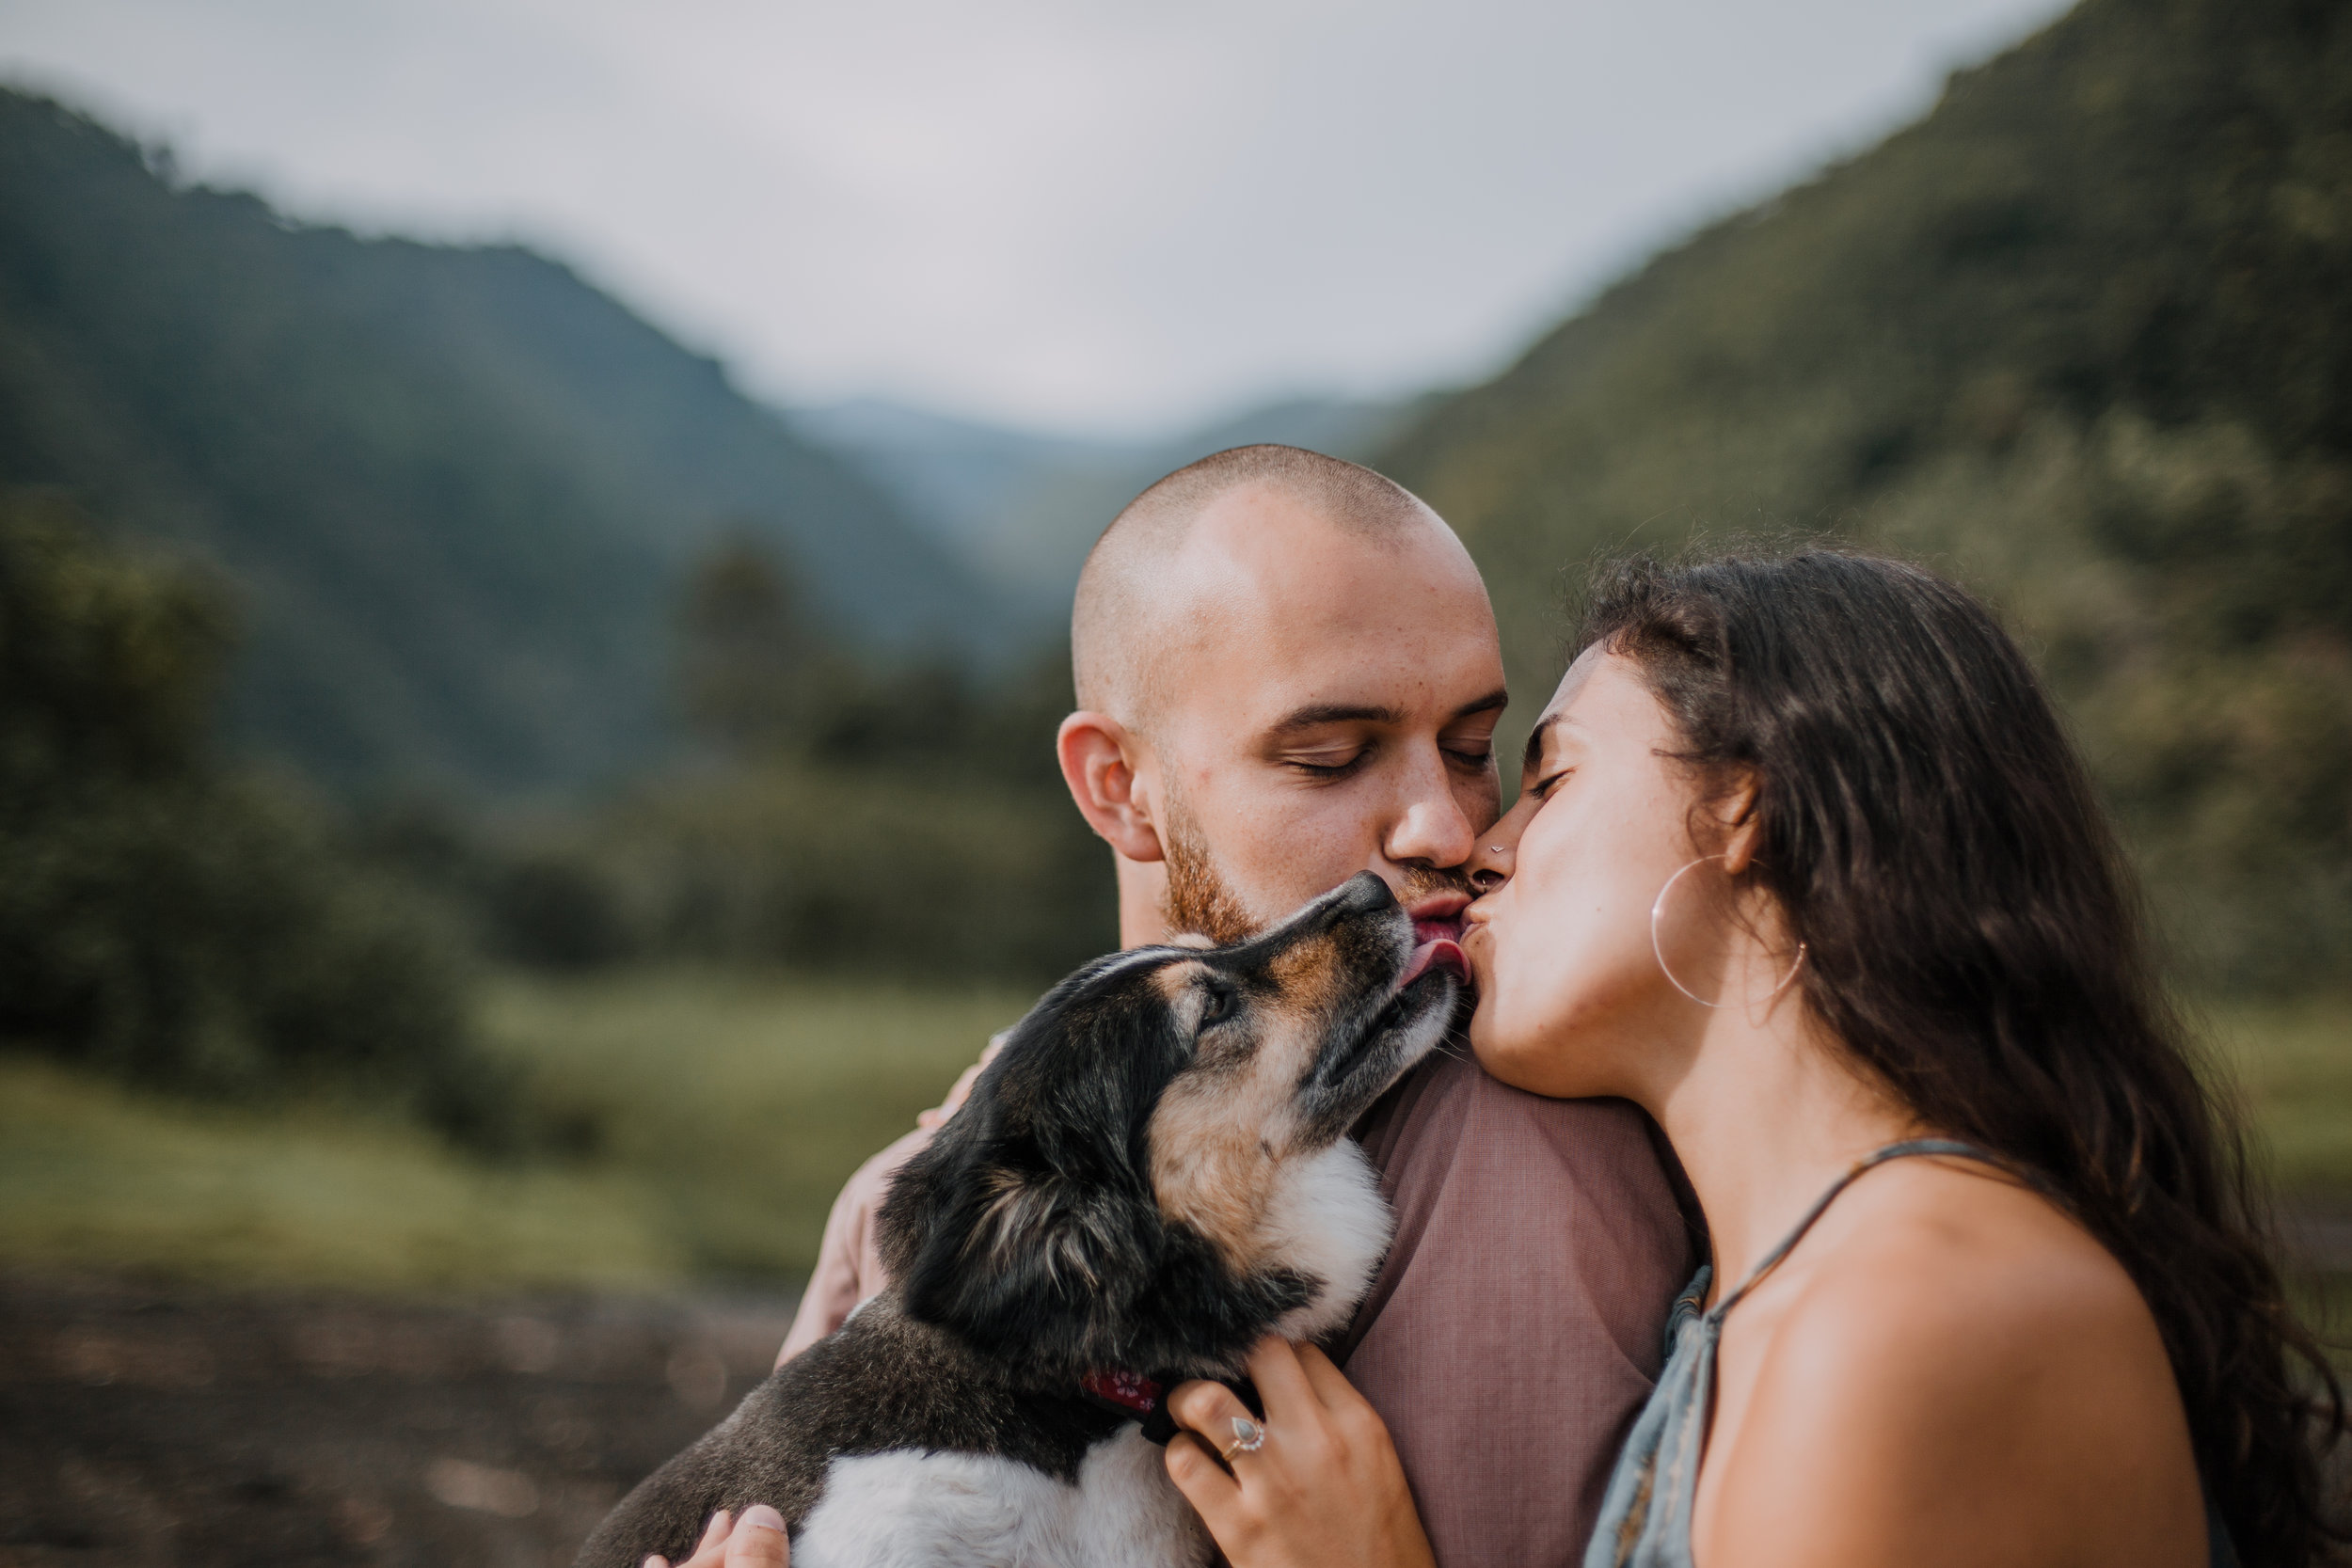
[(1805, 865)]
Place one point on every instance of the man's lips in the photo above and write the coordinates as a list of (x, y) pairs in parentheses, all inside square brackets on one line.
[(1433, 953), (1436, 936), (1438, 916)]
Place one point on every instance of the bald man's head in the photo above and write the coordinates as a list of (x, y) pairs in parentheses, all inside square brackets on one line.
[(1129, 605)]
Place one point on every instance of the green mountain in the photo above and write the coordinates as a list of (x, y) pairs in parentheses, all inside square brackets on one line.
[(2083, 336), (455, 488)]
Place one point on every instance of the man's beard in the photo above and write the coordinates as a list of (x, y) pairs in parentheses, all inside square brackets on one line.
[(1201, 902)]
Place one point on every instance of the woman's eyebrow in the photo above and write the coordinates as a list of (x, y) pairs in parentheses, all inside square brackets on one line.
[(1535, 737)]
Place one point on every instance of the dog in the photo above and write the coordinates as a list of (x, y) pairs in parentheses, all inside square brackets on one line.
[(1153, 1175)]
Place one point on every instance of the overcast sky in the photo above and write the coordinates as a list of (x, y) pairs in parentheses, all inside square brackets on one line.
[(1089, 215)]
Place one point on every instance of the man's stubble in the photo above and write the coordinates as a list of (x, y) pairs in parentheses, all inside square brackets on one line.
[(1201, 902)]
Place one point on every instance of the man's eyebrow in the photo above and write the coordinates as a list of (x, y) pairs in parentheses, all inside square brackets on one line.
[(1373, 713), (1338, 713), (1493, 702)]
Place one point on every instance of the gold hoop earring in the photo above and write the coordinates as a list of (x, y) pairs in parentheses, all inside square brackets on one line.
[(1658, 949)]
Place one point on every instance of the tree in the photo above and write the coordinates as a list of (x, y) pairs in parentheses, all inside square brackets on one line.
[(751, 658)]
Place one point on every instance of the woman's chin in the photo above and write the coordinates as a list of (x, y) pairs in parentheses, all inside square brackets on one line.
[(1530, 1059), (1502, 1052)]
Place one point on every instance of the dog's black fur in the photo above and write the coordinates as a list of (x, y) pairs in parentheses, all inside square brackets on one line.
[(1030, 1242)]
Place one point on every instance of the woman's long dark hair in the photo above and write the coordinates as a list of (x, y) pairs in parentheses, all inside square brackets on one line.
[(1974, 939)]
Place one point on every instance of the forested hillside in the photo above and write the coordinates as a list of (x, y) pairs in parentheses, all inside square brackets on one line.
[(453, 490), (2083, 336)]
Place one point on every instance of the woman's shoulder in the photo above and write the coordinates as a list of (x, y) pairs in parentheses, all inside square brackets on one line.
[(1956, 1338), (1937, 1274), (1930, 1243)]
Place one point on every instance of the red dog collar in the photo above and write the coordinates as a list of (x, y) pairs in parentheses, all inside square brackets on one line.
[(1135, 1396)]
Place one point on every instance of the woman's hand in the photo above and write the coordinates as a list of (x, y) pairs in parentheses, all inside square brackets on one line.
[(1323, 1489), (754, 1540)]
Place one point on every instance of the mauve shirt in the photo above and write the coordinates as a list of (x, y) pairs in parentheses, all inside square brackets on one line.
[(1515, 1329)]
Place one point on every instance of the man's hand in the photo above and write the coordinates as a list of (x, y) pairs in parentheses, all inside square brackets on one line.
[(1324, 1487), (754, 1540)]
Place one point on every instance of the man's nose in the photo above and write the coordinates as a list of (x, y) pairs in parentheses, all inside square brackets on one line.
[(1433, 831)]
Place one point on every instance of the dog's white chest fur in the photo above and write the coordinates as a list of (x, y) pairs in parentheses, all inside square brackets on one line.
[(908, 1510), (1330, 1222)]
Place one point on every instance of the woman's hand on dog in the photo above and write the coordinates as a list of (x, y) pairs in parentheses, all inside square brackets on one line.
[(754, 1540), (1324, 1488)]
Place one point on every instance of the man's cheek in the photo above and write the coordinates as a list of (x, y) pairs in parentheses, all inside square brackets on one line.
[(1480, 800), (1287, 860)]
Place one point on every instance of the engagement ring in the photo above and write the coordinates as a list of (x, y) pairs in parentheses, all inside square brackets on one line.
[(1249, 1437)]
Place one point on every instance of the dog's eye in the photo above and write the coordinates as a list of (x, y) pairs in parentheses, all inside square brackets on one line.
[(1218, 1007)]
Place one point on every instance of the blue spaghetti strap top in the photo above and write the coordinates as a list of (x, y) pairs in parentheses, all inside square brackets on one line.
[(1645, 1512)]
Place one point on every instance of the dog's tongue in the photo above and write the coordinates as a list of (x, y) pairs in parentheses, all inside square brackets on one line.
[(1433, 953)]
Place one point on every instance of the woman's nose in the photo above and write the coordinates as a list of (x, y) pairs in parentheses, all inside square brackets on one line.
[(1496, 858)]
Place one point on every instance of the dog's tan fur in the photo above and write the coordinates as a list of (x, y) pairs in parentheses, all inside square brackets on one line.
[(1224, 1127)]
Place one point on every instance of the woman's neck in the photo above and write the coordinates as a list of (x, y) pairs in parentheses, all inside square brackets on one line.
[(1765, 1116)]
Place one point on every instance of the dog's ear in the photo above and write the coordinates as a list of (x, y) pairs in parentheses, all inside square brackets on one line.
[(1027, 1228), (1029, 1265), (1054, 1273), (1027, 1225)]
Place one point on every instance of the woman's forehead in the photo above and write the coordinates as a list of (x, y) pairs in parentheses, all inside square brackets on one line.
[(1600, 692)]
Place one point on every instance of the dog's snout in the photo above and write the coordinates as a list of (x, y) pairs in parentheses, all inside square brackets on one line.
[(1364, 893), (1363, 904)]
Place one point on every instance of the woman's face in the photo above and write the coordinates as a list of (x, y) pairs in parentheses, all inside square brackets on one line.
[(1571, 1000)]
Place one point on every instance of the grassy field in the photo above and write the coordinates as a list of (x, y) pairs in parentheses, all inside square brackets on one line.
[(2294, 1065), (95, 1178), (719, 1114), (739, 1106), (724, 1112)]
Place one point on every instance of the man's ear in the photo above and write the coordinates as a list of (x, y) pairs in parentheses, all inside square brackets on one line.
[(1101, 761)]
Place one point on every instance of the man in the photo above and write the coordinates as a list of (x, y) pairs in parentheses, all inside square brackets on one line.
[(1288, 672)]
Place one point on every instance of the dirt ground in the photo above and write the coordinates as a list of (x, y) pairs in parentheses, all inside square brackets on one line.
[(148, 1428)]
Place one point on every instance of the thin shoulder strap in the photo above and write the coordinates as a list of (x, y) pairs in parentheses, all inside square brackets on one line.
[(1876, 1157)]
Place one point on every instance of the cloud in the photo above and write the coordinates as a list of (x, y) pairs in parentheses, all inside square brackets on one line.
[(1083, 212)]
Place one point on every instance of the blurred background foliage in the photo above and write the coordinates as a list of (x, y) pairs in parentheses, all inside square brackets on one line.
[(432, 699), (2081, 338), (164, 920)]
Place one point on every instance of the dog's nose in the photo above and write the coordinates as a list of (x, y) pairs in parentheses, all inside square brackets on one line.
[(1365, 893)]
